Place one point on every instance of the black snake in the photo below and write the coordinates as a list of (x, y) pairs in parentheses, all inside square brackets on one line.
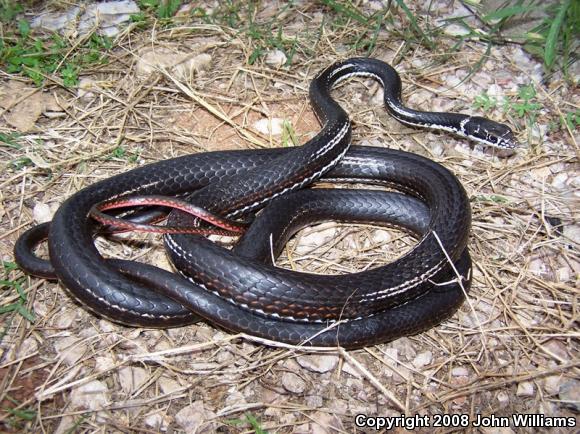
[(240, 289)]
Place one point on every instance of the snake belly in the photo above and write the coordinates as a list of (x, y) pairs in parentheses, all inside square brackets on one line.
[(241, 290)]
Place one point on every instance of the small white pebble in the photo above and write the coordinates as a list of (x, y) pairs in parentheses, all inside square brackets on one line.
[(318, 363), (460, 371), (423, 359), (552, 384), (293, 383), (503, 398), (41, 213), (559, 181), (525, 388), (276, 58), (273, 126)]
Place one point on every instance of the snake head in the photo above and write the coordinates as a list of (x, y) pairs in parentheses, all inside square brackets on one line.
[(489, 132)]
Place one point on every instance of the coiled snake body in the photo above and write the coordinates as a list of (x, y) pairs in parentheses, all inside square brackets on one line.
[(240, 289)]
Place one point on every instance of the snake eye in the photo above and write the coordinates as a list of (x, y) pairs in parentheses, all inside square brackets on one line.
[(490, 132)]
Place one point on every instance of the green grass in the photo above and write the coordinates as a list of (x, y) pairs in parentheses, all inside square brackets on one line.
[(524, 107), (289, 135), (423, 36), (493, 198), (10, 140), (18, 418), (553, 36), (362, 30), (120, 153), (571, 119), (9, 10), (249, 419), (38, 58), (554, 40), (263, 36), (162, 9), (9, 285)]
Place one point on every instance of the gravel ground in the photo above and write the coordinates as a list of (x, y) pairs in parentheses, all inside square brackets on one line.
[(166, 91)]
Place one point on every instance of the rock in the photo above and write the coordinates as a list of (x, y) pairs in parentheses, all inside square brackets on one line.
[(558, 347), (168, 385), (28, 347), (107, 326), (401, 374), (318, 363), (157, 421), (24, 104), (541, 173), (314, 401), (267, 395), (325, 423), (186, 69), (458, 383), (273, 412), (538, 267), (495, 91), (104, 363), (357, 407), (40, 308), (24, 115), (92, 396), (70, 349), (132, 378), (525, 389), (86, 88), (564, 274), (66, 425), (107, 15), (552, 384), (575, 182), (235, 397), (41, 213), (381, 236), (423, 359), (276, 58), (559, 181), (180, 63), (151, 60), (163, 345), (392, 355), (569, 394), (351, 370), (293, 383), (316, 236), (56, 21), (503, 398), (572, 232), (460, 371), (195, 418), (305, 428), (405, 347), (66, 318), (271, 126)]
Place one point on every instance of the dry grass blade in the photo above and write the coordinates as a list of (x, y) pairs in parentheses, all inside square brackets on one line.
[(512, 349)]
